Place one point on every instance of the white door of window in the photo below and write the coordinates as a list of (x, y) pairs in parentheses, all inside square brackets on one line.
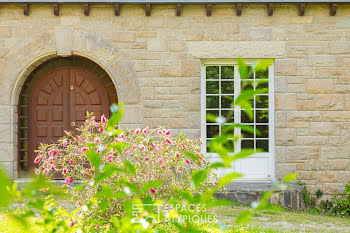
[(221, 84)]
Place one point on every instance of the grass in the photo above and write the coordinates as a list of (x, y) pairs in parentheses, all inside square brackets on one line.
[(263, 222), (286, 221)]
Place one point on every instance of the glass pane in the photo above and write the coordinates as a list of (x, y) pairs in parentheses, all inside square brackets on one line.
[(263, 144), (227, 72), (245, 118), (246, 85), (230, 146), (227, 87), (212, 131), (247, 144), (247, 134), (262, 116), (229, 130), (212, 112), (226, 101), (212, 87), (264, 131), (251, 73), (262, 101), (212, 72), (208, 145), (212, 101), (261, 74), (225, 114), (263, 85)]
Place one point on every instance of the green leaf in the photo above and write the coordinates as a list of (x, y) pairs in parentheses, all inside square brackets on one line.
[(108, 171), (243, 154), (216, 165), (211, 117), (243, 68), (119, 146), (198, 177), (5, 196), (289, 177), (244, 217), (130, 167), (79, 187), (115, 221), (115, 118), (94, 159), (263, 65), (191, 155), (228, 178)]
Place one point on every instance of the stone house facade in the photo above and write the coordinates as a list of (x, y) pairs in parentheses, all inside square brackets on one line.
[(157, 56)]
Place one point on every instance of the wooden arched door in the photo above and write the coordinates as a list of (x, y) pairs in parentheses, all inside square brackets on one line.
[(59, 102)]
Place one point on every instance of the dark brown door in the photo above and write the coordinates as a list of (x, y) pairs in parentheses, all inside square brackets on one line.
[(60, 101)]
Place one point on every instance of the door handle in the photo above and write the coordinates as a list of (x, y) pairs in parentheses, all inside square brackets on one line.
[(72, 123)]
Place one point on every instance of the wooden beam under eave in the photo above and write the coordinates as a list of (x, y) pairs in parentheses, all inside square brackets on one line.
[(270, 7), (333, 9), (209, 9), (239, 8), (301, 11), (56, 9), (25, 7), (116, 9), (148, 9), (86, 9), (178, 9)]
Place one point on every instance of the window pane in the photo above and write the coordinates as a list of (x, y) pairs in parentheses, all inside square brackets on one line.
[(225, 113), (245, 118), (230, 146), (262, 116), (246, 85), (247, 144), (263, 85), (212, 87), (213, 112), (212, 72), (229, 130), (263, 144), (212, 131), (226, 101), (208, 146), (227, 87), (261, 74), (212, 101), (264, 131), (251, 73), (227, 72), (262, 101), (247, 134)]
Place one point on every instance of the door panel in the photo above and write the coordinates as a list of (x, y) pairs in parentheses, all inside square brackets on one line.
[(61, 97)]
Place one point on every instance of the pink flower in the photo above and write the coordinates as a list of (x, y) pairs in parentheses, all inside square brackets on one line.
[(160, 160), (80, 140), (188, 161), (96, 140), (65, 142), (98, 227), (142, 147), (84, 149), (109, 157), (168, 141), (103, 119), (53, 152), (137, 131), (145, 130), (122, 135), (71, 162), (160, 132), (64, 171), (118, 140), (153, 190), (146, 158), (100, 129), (177, 154), (164, 166), (50, 160), (79, 203), (167, 132), (104, 126), (52, 167), (72, 224), (37, 159), (69, 180), (46, 171), (97, 125)]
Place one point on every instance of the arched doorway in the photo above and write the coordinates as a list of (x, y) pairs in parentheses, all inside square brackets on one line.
[(55, 97)]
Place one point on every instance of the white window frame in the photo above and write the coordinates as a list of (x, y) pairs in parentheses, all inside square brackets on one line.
[(233, 62)]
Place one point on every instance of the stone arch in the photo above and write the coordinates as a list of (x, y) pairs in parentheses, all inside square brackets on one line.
[(25, 56)]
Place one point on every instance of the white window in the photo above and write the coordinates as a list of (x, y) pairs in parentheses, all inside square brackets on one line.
[(221, 84)]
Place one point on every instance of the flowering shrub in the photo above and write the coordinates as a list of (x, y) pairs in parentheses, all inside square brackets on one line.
[(150, 159)]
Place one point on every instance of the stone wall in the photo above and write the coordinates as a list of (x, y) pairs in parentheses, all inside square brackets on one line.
[(160, 58)]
